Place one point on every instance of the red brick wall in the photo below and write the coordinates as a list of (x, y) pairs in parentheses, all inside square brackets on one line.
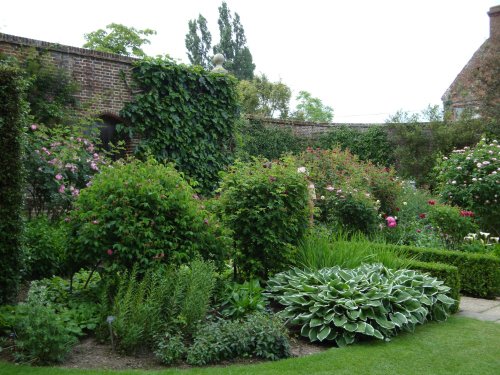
[(103, 78)]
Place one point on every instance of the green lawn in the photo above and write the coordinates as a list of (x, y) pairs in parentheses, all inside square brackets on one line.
[(459, 346)]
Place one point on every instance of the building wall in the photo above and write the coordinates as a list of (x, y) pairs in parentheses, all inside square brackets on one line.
[(103, 78)]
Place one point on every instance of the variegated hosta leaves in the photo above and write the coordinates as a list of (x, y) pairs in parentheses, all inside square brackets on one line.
[(371, 300)]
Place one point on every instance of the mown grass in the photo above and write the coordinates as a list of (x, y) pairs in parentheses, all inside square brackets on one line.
[(458, 346)]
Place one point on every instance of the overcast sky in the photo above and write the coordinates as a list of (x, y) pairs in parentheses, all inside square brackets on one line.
[(366, 59)]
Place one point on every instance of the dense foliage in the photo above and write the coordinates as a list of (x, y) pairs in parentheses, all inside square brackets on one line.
[(13, 112), (350, 193), (145, 213), (258, 336), (470, 178), (184, 115), (266, 205), (479, 273), (44, 248), (119, 39), (371, 300), (164, 300), (60, 160)]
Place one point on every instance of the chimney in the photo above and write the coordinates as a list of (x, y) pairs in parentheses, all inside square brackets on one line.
[(494, 14)]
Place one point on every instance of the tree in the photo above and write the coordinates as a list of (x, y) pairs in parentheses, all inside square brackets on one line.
[(264, 98), (199, 46), (312, 109), (232, 44), (119, 39)]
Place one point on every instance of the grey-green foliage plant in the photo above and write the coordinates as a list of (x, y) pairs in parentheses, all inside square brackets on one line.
[(258, 335), (164, 298), (341, 305)]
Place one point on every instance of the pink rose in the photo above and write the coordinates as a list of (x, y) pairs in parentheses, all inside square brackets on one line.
[(110, 252), (62, 188), (59, 177), (33, 127)]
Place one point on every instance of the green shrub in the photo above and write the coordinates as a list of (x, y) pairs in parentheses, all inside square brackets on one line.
[(369, 301), (470, 178), (185, 115), (243, 299), (266, 205), (370, 145), (144, 214), (258, 335), (349, 192), (270, 142), (41, 334), (13, 110), (60, 161), (172, 298), (44, 248), (170, 349), (479, 273), (451, 224)]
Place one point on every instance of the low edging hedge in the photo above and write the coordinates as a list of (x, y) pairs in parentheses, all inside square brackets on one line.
[(479, 273), (444, 272)]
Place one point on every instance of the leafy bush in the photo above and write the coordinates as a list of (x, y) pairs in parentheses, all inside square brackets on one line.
[(44, 248), (176, 299), (416, 145), (60, 161), (185, 115), (270, 142), (369, 301), (370, 145), (350, 192), (13, 110), (170, 349), (142, 213), (258, 335), (41, 335), (470, 178), (451, 224), (243, 299), (266, 205), (479, 273)]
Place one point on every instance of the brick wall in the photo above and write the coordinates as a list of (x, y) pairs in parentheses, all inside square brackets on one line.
[(306, 128), (103, 77)]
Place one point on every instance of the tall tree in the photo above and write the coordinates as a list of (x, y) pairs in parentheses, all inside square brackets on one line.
[(264, 98), (312, 109), (232, 44), (119, 39), (199, 42)]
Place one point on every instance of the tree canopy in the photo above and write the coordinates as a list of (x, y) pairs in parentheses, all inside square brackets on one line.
[(232, 44), (310, 108), (119, 39), (264, 98)]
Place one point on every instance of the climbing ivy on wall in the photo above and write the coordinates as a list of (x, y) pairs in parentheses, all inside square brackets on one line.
[(183, 114)]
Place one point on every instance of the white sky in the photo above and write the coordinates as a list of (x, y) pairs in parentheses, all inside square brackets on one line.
[(366, 58)]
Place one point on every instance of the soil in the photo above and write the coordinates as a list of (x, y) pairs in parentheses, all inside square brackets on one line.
[(90, 354)]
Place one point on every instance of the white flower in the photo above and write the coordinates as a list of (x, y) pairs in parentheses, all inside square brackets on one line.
[(459, 168), (322, 197), (453, 182), (474, 179), (301, 170), (445, 158), (479, 165), (330, 188), (486, 162), (484, 234), (404, 203)]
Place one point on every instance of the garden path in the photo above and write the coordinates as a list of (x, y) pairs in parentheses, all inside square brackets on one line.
[(482, 309)]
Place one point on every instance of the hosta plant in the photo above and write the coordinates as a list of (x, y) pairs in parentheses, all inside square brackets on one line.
[(343, 305)]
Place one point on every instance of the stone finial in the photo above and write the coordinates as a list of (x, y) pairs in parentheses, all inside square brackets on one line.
[(218, 60)]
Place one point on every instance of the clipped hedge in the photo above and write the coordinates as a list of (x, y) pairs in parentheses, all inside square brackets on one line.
[(444, 272), (479, 273), (12, 111)]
